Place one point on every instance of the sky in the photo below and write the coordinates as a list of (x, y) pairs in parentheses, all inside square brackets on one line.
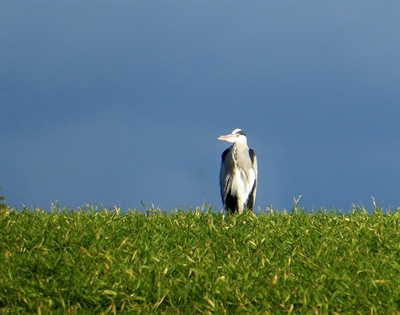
[(121, 103)]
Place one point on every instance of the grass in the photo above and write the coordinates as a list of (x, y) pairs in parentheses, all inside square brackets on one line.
[(97, 261)]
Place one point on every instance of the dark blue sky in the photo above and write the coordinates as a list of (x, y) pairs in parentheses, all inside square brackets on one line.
[(123, 102)]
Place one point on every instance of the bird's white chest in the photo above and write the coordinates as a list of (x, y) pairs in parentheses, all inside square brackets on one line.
[(242, 183)]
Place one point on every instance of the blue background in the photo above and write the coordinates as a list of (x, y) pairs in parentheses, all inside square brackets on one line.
[(116, 103)]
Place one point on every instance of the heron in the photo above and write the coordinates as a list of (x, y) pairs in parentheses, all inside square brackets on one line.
[(238, 175)]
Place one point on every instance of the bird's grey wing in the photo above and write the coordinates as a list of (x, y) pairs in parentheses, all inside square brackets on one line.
[(254, 161), (224, 175), (252, 196)]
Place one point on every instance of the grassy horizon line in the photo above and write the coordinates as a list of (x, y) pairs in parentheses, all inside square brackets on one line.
[(98, 260)]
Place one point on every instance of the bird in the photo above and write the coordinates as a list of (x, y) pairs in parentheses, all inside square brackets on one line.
[(238, 176)]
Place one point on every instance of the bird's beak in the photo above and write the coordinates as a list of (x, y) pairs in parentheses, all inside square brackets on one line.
[(228, 138)]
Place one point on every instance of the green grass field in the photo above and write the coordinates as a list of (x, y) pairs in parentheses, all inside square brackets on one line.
[(97, 261)]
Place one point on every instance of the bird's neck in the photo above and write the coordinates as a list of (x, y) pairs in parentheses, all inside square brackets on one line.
[(240, 146)]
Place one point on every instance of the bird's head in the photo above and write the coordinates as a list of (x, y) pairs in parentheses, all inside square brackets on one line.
[(237, 135)]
